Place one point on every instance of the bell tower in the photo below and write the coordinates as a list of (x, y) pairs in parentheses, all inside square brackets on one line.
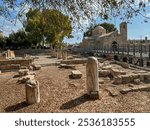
[(123, 32)]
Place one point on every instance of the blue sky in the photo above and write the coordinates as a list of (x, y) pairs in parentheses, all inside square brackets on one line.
[(137, 30)]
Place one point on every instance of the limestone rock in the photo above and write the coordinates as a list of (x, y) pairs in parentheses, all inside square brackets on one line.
[(135, 89), (123, 64), (113, 91), (136, 81), (23, 72), (24, 79), (32, 91), (104, 73), (36, 67), (23, 67), (115, 72), (118, 80), (126, 79), (126, 90), (108, 67), (101, 81), (76, 74), (70, 57), (67, 66)]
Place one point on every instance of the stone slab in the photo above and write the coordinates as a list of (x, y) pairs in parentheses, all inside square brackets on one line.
[(67, 66), (135, 89), (113, 91), (76, 74)]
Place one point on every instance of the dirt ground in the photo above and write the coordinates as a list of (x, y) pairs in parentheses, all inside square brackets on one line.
[(59, 94)]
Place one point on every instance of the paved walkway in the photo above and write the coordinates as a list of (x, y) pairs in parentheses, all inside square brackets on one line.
[(46, 60)]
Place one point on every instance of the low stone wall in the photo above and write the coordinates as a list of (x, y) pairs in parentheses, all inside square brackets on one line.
[(14, 63), (33, 52), (82, 61)]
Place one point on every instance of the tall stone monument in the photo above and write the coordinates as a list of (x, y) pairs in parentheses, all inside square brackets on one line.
[(92, 76)]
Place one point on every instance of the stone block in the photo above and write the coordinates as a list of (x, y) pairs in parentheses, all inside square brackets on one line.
[(107, 67), (118, 80), (123, 64), (76, 74), (104, 73), (135, 89), (126, 79), (32, 91), (24, 79), (115, 72), (10, 67), (23, 72), (126, 90), (23, 67), (101, 81), (67, 66), (113, 91), (136, 81), (36, 67)]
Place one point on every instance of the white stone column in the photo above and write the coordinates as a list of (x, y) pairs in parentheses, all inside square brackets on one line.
[(32, 92), (92, 76)]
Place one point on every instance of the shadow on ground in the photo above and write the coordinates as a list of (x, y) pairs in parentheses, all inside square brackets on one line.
[(75, 102), (16, 107)]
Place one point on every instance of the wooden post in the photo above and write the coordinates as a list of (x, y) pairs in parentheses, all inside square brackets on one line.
[(92, 76), (32, 91)]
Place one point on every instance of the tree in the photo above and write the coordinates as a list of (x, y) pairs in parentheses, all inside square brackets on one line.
[(18, 40), (79, 10), (47, 26), (108, 26)]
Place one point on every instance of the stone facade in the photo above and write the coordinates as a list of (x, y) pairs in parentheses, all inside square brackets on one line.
[(101, 39)]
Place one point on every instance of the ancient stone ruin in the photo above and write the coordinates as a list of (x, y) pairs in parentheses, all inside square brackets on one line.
[(31, 86), (92, 78), (7, 55)]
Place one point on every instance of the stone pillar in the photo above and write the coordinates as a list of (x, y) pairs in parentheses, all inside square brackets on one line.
[(64, 55), (92, 75), (32, 91), (59, 54)]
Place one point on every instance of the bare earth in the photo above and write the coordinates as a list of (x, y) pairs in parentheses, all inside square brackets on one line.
[(61, 94)]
